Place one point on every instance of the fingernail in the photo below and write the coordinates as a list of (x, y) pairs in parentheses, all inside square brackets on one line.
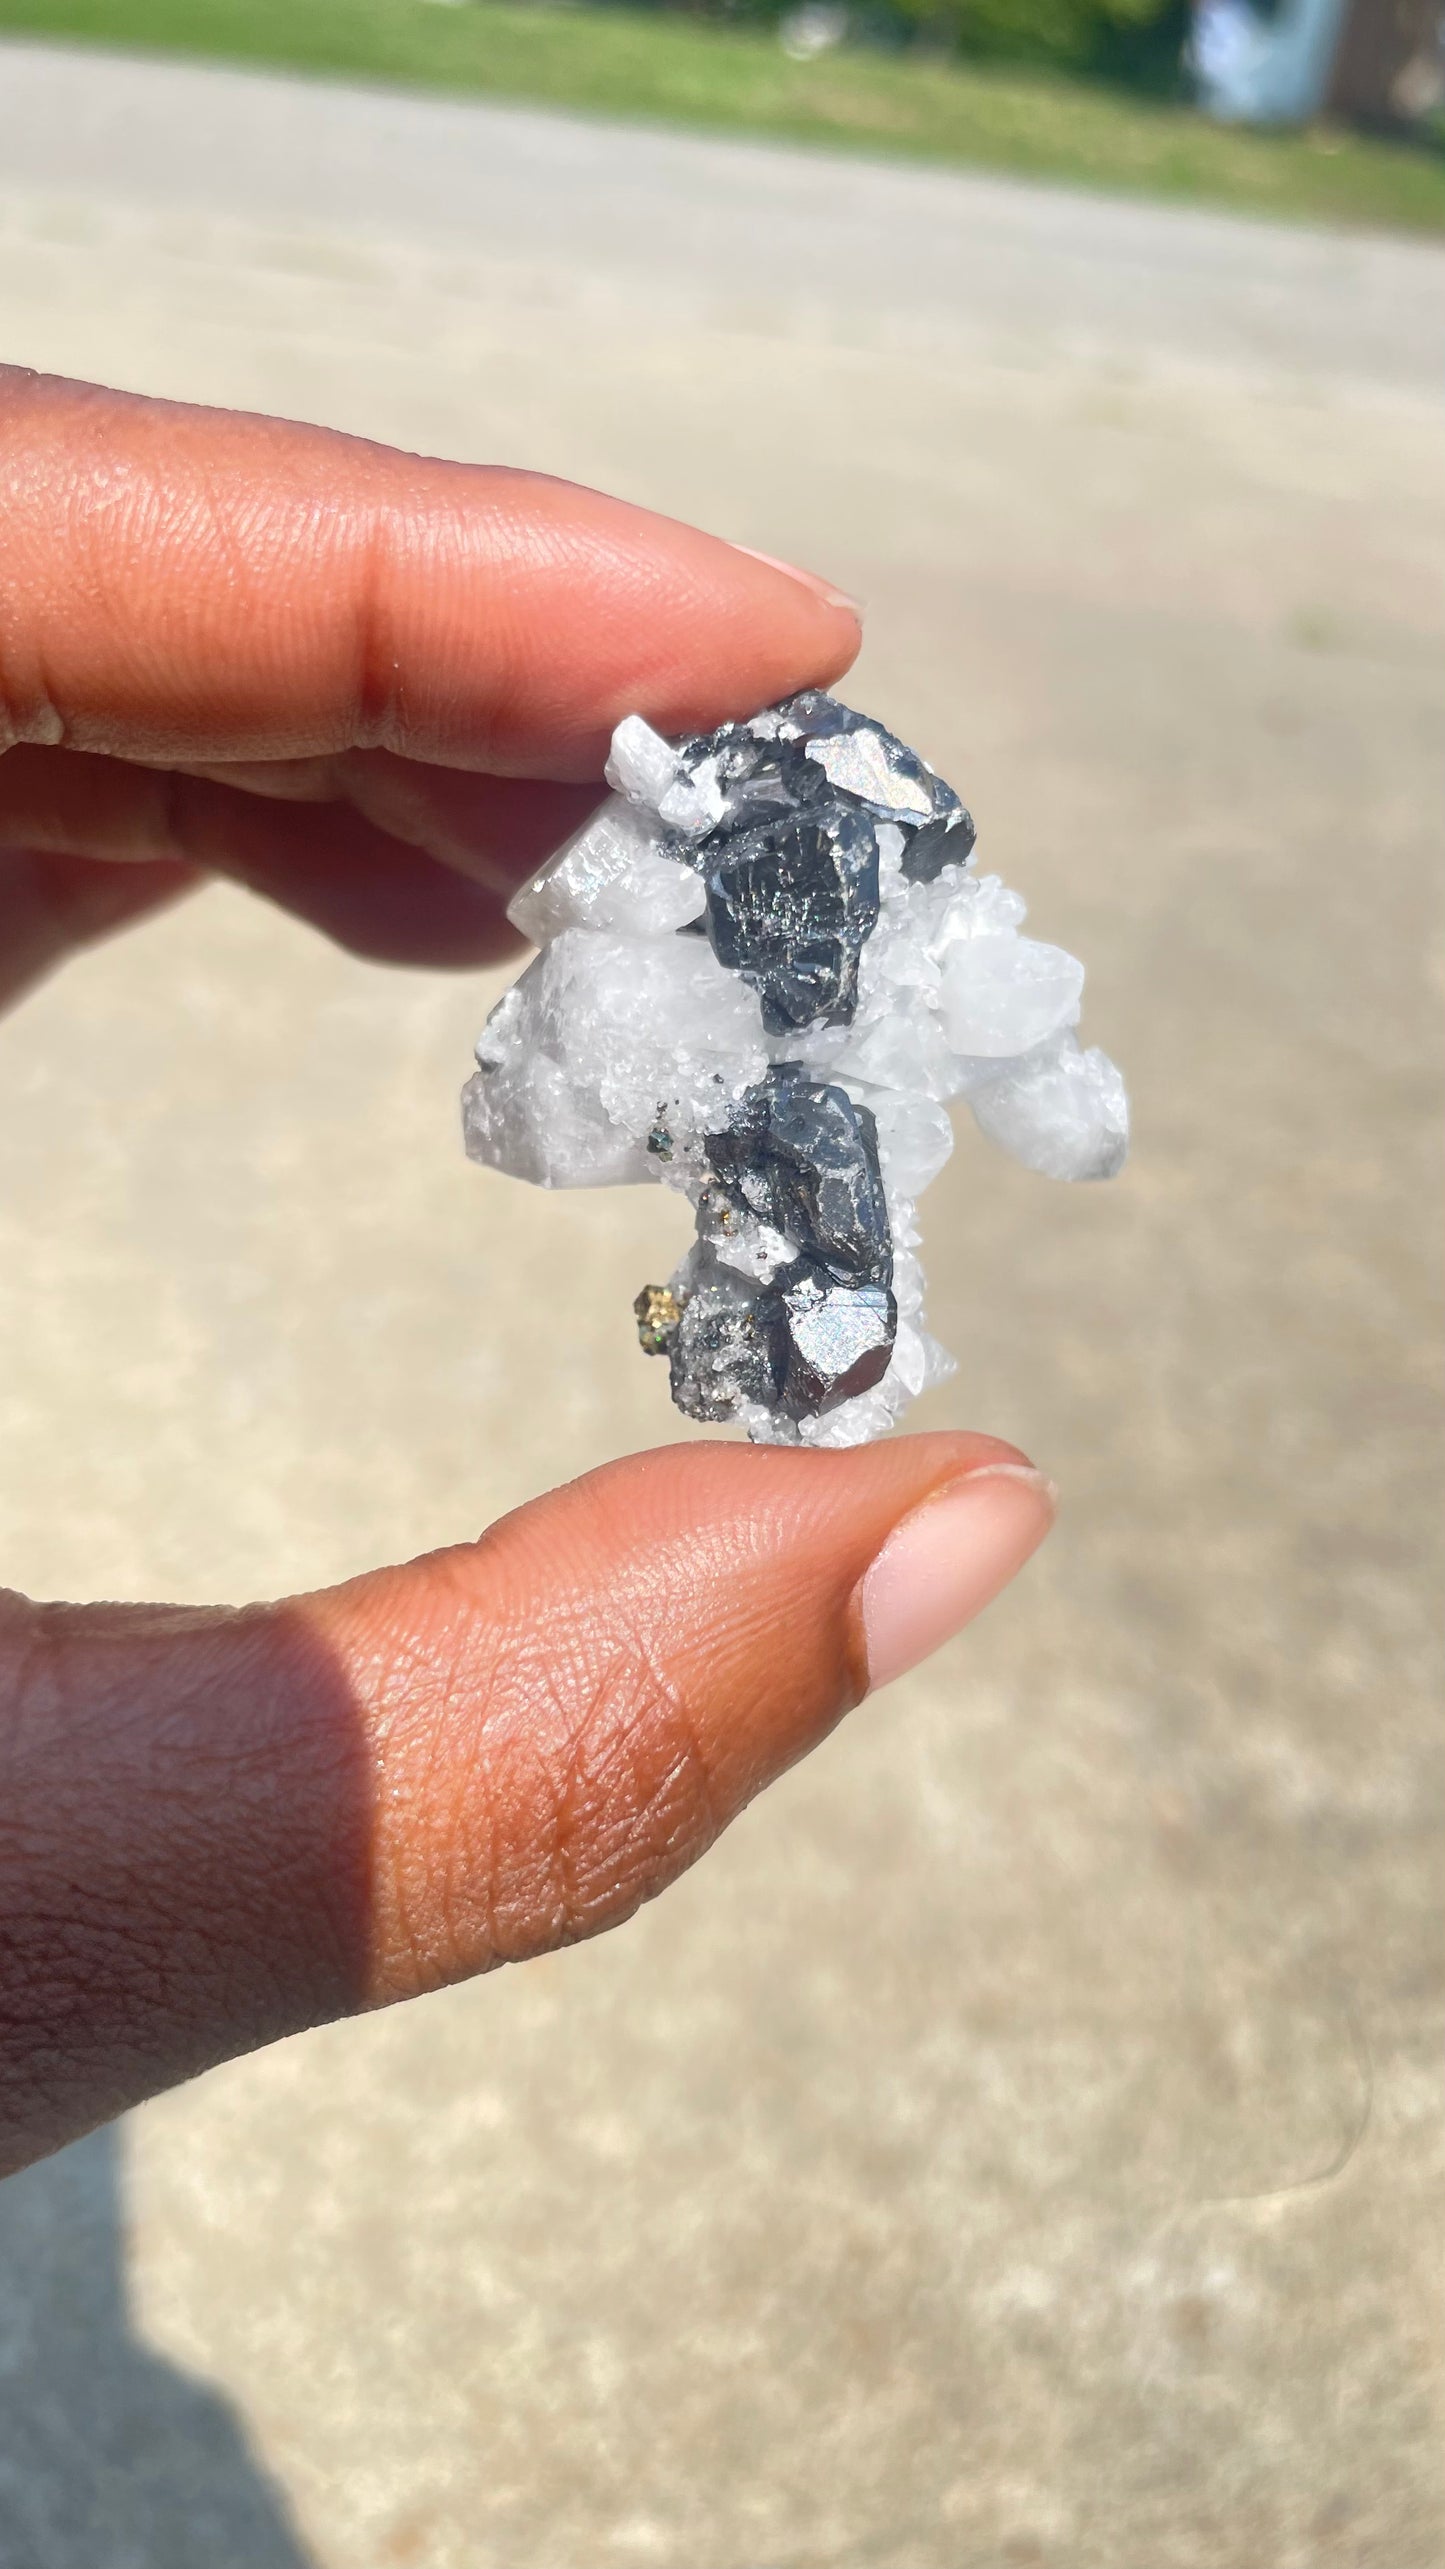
[(821, 588), (946, 1561)]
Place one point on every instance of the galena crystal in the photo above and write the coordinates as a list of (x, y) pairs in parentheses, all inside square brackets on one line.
[(765, 965)]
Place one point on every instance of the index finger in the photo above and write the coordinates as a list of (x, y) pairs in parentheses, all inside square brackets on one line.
[(179, 583)]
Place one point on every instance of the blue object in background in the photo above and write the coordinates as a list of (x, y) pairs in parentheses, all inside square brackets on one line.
[(1250, 69)]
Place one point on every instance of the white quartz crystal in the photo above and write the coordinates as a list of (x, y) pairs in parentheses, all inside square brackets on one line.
[(637, 1030), (609, 876), (648, 770), (1059, 1110), (1001, 996)]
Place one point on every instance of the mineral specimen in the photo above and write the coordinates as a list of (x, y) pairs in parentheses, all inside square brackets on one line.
[(765, 966)]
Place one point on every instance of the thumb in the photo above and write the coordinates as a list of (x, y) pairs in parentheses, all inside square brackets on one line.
[(226, 1826)]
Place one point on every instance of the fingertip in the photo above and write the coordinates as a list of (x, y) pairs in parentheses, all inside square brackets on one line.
[(813, 581), (617, 609), (947, 1560), (769, 630)]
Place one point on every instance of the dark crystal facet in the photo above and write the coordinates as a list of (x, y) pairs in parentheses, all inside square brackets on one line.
[(769, 761), (839, 1338), (815, 715), (802, 1156), (877, 770), (944, 842), (799, 1155), (781, 781), (806, 759), (789, 904), (730, 1345)]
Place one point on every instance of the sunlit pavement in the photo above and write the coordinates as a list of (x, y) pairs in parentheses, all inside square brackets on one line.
[(1021, 2142)]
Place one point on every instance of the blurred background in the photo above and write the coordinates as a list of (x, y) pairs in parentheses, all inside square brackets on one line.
[(1023, 2141)]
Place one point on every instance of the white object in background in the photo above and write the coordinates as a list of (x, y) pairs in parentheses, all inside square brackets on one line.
[(1253, 70), (814, 29)]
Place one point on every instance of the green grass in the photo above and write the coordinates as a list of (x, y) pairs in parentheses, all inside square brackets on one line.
[(672, 70)]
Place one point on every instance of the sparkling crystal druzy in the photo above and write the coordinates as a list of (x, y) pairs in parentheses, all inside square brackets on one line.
[(766, 964)]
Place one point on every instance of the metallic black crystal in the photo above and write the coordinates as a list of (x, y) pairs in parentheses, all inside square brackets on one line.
[(791, 872), (801, 1155), (792, 867), (730, 1345), (939, 843), (789, 904), (839, 1339), (767, 765)]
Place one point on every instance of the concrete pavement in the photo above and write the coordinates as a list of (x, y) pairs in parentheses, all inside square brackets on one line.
[(1021, 2142)]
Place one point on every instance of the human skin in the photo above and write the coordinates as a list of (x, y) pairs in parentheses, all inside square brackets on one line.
[(377, 689)]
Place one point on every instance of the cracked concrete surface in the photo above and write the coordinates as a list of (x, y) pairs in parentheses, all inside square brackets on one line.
[(1021, 2141)]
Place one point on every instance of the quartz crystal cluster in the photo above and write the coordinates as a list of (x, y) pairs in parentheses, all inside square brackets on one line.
[(766, 965)]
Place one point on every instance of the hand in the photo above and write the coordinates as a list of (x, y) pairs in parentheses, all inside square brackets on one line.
[(377, 690)]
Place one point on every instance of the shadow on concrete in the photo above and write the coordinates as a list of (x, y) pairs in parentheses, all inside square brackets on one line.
[(109, 2457)]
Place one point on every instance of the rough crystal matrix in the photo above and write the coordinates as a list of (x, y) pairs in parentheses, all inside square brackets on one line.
[(766, 964)]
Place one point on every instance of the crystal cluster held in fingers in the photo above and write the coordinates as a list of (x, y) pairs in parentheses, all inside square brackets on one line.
[(766, 964)]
